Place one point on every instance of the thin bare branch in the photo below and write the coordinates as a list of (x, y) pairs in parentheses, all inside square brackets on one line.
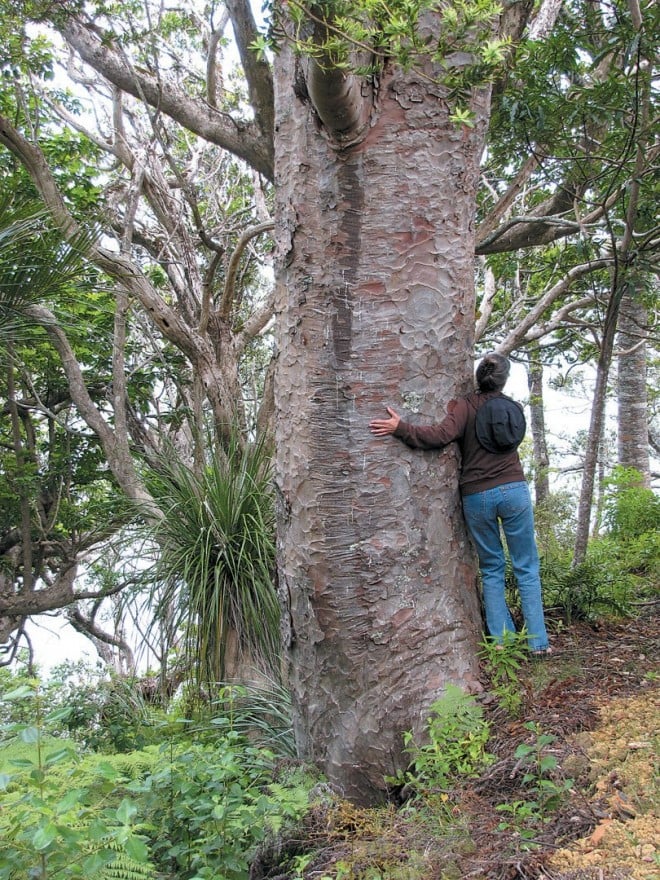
[(490, 222), (244, 139), (227, 299), (519, 333)]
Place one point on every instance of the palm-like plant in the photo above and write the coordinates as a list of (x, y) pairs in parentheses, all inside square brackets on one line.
[(35, 264), (216, 551)]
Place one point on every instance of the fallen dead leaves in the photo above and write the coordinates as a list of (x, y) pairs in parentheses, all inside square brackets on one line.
[(623, 754)]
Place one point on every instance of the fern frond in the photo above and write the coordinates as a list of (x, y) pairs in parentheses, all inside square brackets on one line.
[(124, 867)]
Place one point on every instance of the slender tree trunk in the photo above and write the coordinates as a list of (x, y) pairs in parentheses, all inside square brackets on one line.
[(622, 282), (375, 279), (594, 436), (541, 457), (599, 488), (632, 394)]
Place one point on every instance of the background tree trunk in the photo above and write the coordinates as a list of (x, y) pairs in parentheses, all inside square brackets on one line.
[(632, 397), (595, 435), (375, 569), (623, 282), (537, 419)]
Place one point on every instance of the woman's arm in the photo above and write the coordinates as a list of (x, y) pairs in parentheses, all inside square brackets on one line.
[(424, 436)]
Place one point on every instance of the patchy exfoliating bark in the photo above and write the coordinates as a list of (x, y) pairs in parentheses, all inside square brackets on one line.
[(375, 280)]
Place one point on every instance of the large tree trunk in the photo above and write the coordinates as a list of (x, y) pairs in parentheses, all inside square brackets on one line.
[(375, 257), (632, 396)]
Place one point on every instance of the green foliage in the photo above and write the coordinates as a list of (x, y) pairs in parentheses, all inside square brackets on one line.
[(456, 747), (106, 712), (502, 663), (335, 31), (217, 804), (585, 591), (260, 712), (217, 545), (631, 509), (36, 266), (542, 781), (49, 824), (555, 521), (181, 809), (621, 568), (561, 85)]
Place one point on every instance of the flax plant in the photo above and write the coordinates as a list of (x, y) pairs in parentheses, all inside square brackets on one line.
[(215, 568)]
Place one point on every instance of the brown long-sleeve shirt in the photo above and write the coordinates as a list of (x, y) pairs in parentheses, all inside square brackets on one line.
[(480, 469)]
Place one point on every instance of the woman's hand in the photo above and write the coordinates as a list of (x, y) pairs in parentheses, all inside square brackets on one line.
[(382, 427)]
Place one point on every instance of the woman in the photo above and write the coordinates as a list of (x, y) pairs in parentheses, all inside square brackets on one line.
[(495, 495)]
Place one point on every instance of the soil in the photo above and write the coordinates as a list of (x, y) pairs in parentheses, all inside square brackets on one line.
[(596, 702), (599, 695)]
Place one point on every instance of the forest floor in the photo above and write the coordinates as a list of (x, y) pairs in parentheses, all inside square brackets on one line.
[(596, 700)]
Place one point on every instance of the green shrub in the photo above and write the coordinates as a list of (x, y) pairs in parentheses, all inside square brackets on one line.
[(51, 825), (543, 784), (206, 808), (621, 568), (586, 591), (181, 809), (456, 746), (631, 509), (555, 522), (259, 711), (214, 575), (502, 664), (107, 712)]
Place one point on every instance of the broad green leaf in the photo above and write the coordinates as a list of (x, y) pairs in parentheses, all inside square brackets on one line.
[(44, 836), (19, 693), (126, 811), (29, 735), (136, 848)]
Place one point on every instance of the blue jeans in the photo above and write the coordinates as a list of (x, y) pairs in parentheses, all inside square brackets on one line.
[(510, 505)]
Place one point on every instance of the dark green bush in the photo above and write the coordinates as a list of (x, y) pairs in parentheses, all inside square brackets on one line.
[(631, 509), (586, 591)]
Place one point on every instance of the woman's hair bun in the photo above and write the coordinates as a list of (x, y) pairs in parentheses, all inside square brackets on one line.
[(492, 372)]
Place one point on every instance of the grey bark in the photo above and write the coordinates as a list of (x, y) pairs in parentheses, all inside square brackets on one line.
[(632, 389), (249, 140), (537, 425)]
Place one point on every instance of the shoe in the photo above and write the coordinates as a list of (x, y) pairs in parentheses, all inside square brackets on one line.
[(542, 652)]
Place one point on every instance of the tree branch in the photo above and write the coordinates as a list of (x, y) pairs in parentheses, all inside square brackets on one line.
[(489, 223), (117, 453), (257, 72), (516, 336), (101, 640), (212, 59), (544, 20), (227, 299), (245, 139), (541, 226), (255, 323)]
